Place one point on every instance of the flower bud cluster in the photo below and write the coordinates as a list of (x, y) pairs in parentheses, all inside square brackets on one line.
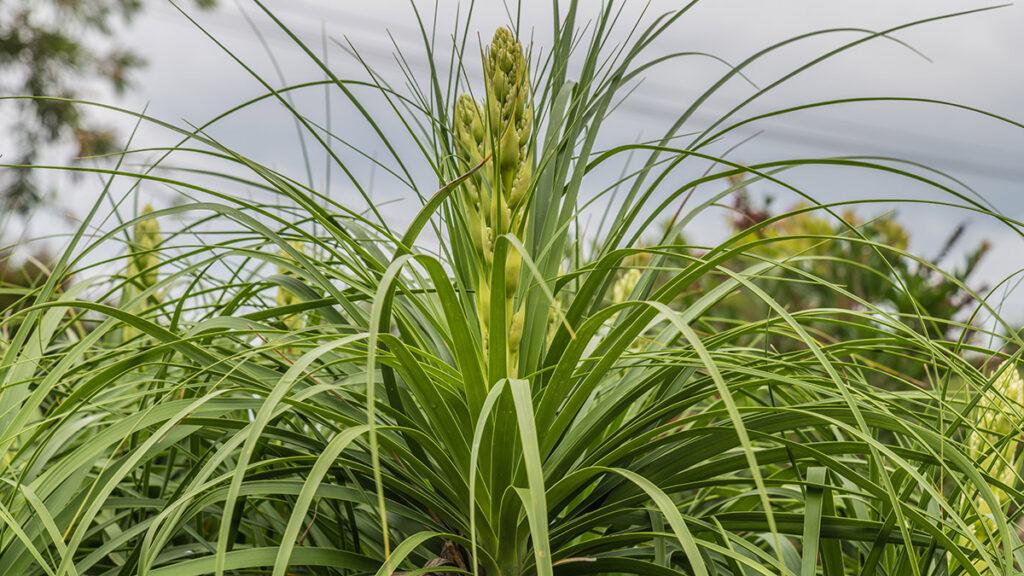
[(993, 445), (510, 114), (143, 262), (495, 197), (144, 265)]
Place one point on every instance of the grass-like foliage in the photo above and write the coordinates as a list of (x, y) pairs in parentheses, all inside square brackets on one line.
[(297, 385)]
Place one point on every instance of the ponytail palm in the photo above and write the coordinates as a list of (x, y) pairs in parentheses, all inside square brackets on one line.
[(315, 391)]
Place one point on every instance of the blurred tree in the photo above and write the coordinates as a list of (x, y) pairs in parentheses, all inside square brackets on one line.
[(925, 299), (816, 243), (55, 48), (902, 285)]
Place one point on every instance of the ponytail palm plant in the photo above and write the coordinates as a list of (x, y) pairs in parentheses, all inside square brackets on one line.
[(299, 386)]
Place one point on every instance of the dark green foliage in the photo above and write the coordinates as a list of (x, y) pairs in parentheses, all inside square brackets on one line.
[(289, 383)]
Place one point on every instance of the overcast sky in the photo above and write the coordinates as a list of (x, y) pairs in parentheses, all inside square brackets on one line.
[(973, 59)]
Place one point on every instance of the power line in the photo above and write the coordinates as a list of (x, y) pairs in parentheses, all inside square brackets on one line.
[(792, 133)]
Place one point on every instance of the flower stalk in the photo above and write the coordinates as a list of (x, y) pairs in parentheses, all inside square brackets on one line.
[(143, 262), (144, 265)]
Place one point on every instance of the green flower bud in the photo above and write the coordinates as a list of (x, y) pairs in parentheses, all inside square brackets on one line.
[(469, 131), (499, 84), (525, 124), (145, 260), (520, 185), (625, 285), (509, 146), (506, 218), (509, 110), (472, 195), (488, 244), (515, 331), (513, 267)]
